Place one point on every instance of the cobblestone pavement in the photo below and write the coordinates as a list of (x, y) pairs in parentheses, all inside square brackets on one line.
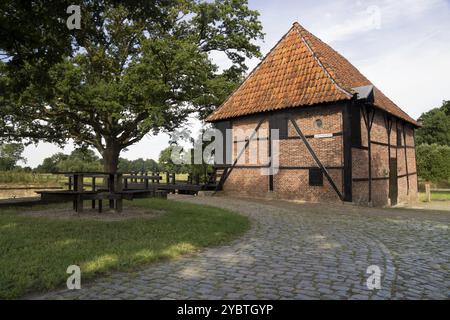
[(300, 251)]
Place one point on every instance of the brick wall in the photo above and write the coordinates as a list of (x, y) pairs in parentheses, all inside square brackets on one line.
[(380, 163), (248, 181), (291, 182)]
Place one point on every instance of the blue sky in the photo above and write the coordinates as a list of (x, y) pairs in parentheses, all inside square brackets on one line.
[(402, 46)]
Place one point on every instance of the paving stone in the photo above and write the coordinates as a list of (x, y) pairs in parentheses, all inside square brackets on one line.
[(298, 251)]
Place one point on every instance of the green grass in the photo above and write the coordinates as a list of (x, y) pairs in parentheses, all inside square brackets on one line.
[(30, 178), (436, 196), (36, 251)]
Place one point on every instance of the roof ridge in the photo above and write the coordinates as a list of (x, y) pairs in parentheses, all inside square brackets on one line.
[(318, 60), (253, 71), (299, 70)]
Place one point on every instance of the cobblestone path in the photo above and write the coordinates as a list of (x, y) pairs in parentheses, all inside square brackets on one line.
[(299, 251)]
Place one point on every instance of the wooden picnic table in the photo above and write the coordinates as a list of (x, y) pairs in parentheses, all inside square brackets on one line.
[(110, 190)]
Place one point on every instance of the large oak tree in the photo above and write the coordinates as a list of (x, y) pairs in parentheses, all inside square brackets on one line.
[(133, 68)]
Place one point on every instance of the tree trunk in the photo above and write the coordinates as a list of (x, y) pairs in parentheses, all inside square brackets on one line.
[(111, 159)]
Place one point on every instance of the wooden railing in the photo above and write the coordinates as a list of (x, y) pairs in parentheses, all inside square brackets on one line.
[(429, 190)]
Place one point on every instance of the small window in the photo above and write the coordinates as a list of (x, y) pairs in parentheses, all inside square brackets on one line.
[(399, 137), (315, 177), (318, 123)]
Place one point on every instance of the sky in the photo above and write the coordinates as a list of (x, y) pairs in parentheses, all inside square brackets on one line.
[(402, 46)]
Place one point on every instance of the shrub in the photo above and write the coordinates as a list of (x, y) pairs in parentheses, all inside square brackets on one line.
[(433, 162)]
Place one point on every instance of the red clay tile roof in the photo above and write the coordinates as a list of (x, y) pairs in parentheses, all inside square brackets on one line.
[(300, 70)]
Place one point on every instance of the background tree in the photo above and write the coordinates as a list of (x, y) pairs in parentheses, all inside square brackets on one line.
[(433, 162), (50, 164), (435, 126), (166, 163), (81, 159), (151, 165), (10, 155), (133, 68), (433, 145), (148, 165)]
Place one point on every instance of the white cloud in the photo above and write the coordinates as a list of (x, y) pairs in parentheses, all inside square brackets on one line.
[(407, 57), (351, 19)]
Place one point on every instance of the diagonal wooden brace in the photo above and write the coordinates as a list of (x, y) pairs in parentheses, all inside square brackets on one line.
[(316, 159), (247, 143)]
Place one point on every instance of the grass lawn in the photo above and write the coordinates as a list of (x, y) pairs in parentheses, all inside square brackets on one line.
[(36, 251), (435, 196)]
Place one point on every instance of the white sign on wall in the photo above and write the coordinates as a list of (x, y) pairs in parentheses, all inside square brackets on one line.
[(323, 135)]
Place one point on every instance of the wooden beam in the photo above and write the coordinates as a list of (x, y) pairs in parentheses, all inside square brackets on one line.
[(316, 159), (347, 143), (368, 116), (270, 153), (227, 171), (406, 159)]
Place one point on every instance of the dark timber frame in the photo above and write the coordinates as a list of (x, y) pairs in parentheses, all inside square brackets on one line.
[(270, 155), (316, 159), (368, 113), (347, 143), (406, 158), (227, 171), (388, 123)]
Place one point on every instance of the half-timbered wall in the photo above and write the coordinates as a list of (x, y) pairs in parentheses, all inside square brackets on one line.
[(380, 146), (327, 141), (292, 179)]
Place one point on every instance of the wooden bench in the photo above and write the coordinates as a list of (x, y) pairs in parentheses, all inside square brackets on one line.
[(79, 196)]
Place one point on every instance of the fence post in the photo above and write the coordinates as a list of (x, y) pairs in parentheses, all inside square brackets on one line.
[(197, 179), (118, 187), (93, 189), (427, 192)]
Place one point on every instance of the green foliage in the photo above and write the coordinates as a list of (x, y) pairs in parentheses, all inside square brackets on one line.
[(81, 159), (86, 160), (148, 165), (50, 164), (134, 67), (435, 126), (80, 162), (10, 154), (165, 160), (35, 252), (433, 162)]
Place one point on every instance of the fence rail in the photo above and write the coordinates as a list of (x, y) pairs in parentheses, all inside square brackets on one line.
[(429, 190)]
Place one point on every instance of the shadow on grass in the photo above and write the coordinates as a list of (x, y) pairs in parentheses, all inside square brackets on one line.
[(36, 251)]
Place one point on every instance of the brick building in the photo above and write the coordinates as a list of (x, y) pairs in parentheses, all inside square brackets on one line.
[(340, 138)]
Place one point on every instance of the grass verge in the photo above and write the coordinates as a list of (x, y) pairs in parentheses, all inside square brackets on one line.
[(436, 196), (36, 251)]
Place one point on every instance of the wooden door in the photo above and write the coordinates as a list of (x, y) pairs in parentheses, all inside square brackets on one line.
[(393, 181)]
